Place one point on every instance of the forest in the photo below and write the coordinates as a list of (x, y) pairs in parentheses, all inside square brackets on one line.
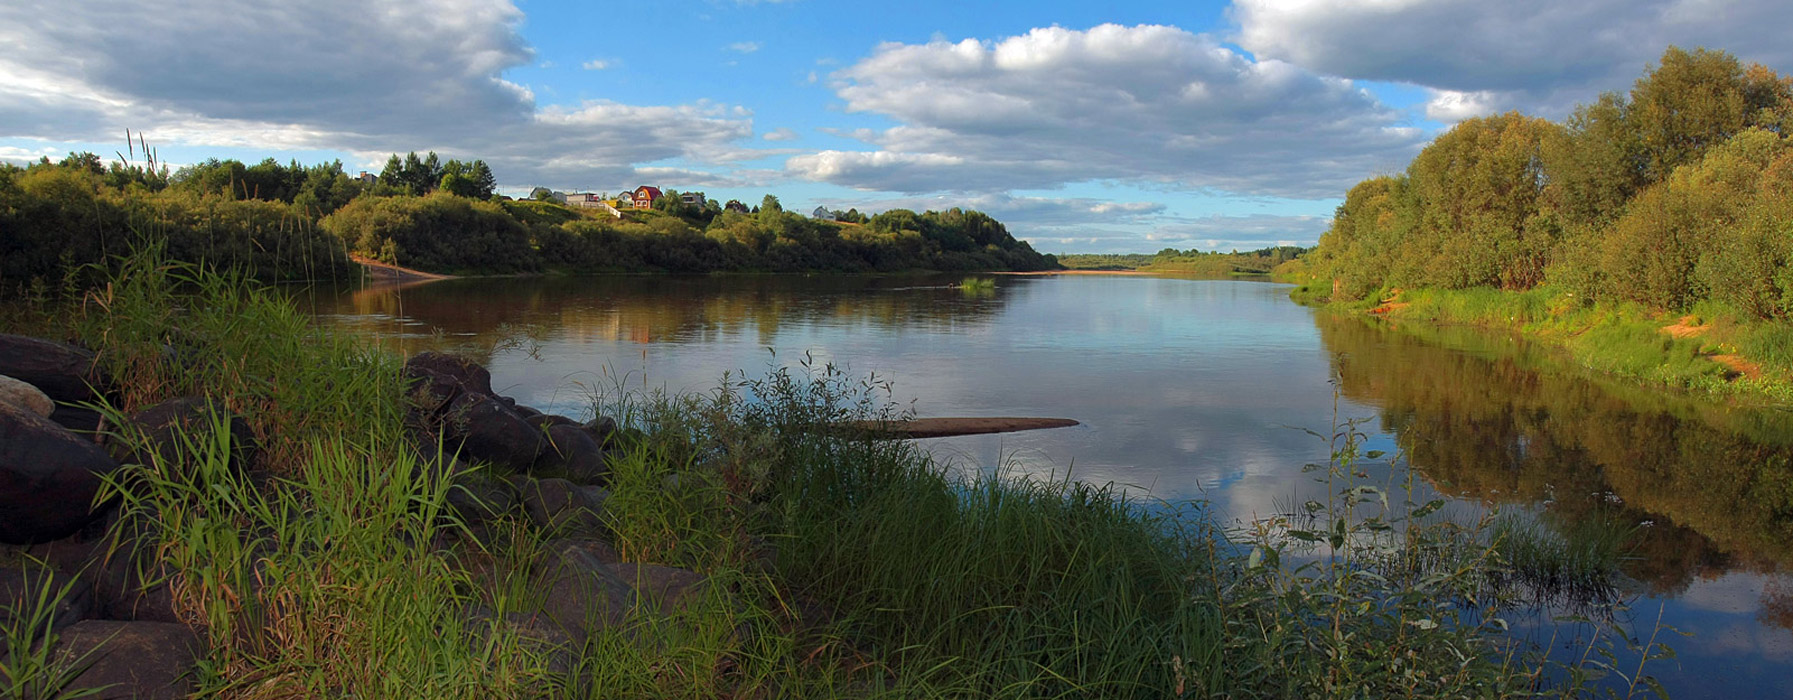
[(1676, 196), (1170, 260), (66, 219)]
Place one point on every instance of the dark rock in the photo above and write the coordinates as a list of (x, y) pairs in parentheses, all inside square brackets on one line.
[(162, 426), (24, 589), (78, 419), (487, 430), (63, 372), (545, 421), (143, 660), (23, 395), (477, 498), (573, 454), (431, 391), (588, 590), (538, 633), (48, 478), (122, 588), (557, 505), (603, 430), (466, 373)]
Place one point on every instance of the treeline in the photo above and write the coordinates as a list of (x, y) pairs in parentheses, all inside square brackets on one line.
[(290, 221), (58, 219), (1253, 262), (442, 233), (1675, 194)]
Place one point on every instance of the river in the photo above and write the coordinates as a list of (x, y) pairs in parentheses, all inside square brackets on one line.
[(1202, 390)]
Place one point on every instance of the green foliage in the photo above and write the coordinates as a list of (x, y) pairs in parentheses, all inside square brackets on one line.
[(440, 232), (59, 220), (1674, 195)]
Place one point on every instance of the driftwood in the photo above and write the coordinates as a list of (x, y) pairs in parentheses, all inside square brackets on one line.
[(949, 427)]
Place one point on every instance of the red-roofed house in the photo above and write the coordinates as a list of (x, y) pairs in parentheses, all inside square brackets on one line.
[(645, 196)]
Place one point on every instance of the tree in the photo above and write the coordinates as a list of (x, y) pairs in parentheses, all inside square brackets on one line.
[(484, 184), (541, 194)]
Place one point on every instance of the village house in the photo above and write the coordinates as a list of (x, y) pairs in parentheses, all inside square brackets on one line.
[(735, 206), (695, 199), (823, 214), (644, 196)]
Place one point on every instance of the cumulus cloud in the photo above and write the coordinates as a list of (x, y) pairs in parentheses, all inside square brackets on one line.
[(743, 47), (1146, 103), (369, 78), (595, 64), (780, 135), (1542, 54)]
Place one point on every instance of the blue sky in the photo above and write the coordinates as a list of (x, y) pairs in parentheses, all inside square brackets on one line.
[(1087, 127)]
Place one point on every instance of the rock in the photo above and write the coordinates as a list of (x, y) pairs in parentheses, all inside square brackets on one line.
[(122, 589), (143, 660), (23, 395), (603, 430), (588, 590), (545, 421), (162, 426), (467, 374), (487, 430), (22, 590), (573, 454), (431, 391), (478, 499), (48, 478), (65, 373), (557, 505), (537, 632), (78, 419)]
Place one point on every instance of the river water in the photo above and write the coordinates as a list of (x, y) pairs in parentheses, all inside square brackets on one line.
[(1203, 390)]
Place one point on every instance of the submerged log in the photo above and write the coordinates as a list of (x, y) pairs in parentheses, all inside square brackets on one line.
[(950, 427)]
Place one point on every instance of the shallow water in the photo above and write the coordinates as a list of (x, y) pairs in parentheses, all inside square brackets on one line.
[(1200, 390)]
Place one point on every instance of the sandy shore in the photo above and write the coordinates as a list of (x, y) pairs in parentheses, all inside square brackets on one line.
[(381, 273)]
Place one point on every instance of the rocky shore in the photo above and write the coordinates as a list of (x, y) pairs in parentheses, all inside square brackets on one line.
[(76, 572)]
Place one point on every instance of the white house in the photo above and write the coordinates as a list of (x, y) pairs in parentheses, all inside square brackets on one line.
[(824, 214)]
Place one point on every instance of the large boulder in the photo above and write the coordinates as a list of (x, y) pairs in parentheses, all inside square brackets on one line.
[(573, 454), (30, 591), (487, 430), (163, 426), (558, 505), (465, 373), (23, 395), (48, 478), (589, 590), (63, 372), (142, 660)]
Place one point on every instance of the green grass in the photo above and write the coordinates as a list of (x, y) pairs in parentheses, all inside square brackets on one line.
[(1622, 339), (836, 565)]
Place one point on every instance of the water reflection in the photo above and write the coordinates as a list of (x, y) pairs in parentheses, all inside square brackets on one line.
[(480, 317), (1500, 424), (1196, 390)]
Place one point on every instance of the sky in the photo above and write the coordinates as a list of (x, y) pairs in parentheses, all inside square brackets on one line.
[(1085, 127)]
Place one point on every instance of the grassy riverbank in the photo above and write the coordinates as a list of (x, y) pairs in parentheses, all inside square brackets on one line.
[(1710, 348), (836, 566)]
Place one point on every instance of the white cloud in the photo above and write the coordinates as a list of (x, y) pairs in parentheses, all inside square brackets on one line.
[(369, 78), (1147, 103), (1543, 54), (743, 47), (781, 135), (596, 64)]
